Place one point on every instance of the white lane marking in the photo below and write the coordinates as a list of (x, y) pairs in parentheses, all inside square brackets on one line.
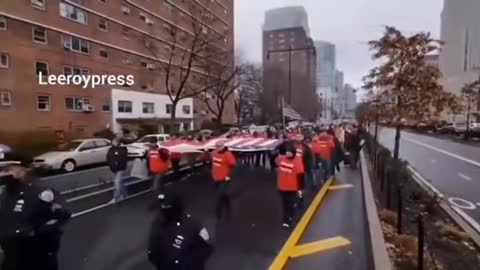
[(467, 218), (75, 172), (461, 203), (424, 181), (473, 162), (468, 178)]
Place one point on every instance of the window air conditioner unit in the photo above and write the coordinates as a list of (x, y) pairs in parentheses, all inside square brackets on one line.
[(66, 45), (149, 21), (125, 10), (151, 66), (88, 108)]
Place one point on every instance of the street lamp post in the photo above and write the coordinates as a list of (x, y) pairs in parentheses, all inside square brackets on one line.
[(290, 50)]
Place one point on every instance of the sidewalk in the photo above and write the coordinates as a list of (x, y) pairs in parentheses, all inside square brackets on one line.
[(337, 235)]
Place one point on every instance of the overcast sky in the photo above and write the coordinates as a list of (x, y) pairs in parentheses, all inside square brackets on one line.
[(347, 23)]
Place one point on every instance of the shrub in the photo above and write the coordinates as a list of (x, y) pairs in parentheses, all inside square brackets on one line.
[(389, 217)]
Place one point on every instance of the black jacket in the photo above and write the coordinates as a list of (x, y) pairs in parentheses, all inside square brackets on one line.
[(308, 157), (32, 218), (117, 158), (178, 245)]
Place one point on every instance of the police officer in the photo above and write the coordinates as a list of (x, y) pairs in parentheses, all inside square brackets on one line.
[(31, 217), (176, 241)]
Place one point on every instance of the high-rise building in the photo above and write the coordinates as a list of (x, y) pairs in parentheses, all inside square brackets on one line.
[(288, 74), (460, 54), (103, 37), (286, 17), (326, 64)]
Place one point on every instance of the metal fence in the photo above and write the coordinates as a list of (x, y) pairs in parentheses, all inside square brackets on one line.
[(423, 235)]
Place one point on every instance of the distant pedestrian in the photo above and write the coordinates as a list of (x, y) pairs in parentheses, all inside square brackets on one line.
[(176, 241), (117, 158), (159, 162), (308, 162)]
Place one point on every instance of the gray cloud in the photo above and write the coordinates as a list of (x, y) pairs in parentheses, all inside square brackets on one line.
[(350, 24)]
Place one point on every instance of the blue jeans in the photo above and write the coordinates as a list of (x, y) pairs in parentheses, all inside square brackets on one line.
[(325, 166), (118, 185), (309, 179)]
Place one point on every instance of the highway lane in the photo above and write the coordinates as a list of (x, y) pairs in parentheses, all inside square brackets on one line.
[(452, 168)]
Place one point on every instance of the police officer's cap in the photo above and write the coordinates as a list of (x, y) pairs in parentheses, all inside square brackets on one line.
[(170, 201), (9, 158)]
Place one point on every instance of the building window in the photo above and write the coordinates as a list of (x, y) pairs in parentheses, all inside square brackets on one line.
[(5, 98), (281, 41), (3, 23), (225, 40), (144, 64), (125, 9), (40, 4), (76, 44), (76, 103), (148, 107), (39, 35), (281, 35), (106, 106), (127, 59), (68, 70), (103, 24), (43, 103), (148, 43), (4, 60), (124, 106), (103, 52), (186, 109), (168, 108), (73, 13), (41, 67), (125, 32)]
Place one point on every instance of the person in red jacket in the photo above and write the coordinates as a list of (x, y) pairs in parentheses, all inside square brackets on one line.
[(222, 164), (290, 172), (323, 149), (159, 164)]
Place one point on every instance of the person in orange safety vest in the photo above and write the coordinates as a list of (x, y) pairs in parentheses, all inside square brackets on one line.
[(323, 149), (159, 164), (290, 174), (223, 162)]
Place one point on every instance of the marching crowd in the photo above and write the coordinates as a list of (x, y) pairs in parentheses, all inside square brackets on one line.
[(33, 216)]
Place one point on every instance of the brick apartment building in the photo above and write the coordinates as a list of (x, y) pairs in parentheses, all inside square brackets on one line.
[(276, 65), (104, 37)]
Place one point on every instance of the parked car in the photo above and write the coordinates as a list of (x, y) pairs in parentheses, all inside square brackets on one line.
[(69, 156), (140, 147), (461, 128), (448, 128)]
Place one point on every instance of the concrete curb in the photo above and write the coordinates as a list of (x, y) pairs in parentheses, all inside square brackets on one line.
[(381, 260)]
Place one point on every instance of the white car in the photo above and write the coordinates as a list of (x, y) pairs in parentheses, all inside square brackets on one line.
[(76, 153), (140, 147)]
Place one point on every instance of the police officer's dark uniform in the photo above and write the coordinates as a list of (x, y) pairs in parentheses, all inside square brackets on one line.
[(31, 221), (177, 242)]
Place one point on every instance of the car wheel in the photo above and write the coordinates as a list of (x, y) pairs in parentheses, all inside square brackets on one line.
[(69, 165)]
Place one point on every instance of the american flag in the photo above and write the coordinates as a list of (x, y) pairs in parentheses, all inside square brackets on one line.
[(290, 113), (242, 143)]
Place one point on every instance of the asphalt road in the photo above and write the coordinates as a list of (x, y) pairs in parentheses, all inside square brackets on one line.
[(115, 237), (453, 168)]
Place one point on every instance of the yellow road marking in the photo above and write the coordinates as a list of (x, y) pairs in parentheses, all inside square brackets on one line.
[(286, 251), (318, 246), (337, 187)]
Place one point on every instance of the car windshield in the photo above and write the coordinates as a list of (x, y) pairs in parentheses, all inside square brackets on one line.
[(147, 139), (68, 147)]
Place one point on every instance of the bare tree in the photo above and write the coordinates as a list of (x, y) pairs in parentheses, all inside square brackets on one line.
[(471, 94), (188, 54), (224, 81), (248, 94), (405, 82)]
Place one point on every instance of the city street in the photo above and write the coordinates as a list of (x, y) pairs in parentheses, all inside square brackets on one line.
[(453, 168)]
